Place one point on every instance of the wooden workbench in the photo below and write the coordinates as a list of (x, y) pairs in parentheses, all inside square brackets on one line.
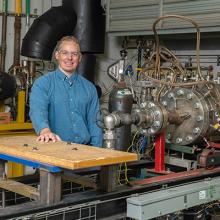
[(60, 155)]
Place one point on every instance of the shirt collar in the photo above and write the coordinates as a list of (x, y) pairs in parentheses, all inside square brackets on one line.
[(63, 77)]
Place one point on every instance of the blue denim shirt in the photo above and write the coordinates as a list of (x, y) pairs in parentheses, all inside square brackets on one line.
[(68, 106)]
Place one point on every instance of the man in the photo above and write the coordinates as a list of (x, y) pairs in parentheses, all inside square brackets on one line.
[(63, 104)]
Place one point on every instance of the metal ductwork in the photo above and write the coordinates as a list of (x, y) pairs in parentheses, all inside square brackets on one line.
[(42, 37)]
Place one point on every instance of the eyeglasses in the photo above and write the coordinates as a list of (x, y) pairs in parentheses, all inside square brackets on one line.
[(66, 53)]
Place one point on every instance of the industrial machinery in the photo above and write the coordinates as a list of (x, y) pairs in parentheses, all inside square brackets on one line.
[(167, 114), (183, 103), (176, 109)]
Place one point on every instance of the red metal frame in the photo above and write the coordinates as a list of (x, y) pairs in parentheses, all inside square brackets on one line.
[(176, 176), (159, 152)]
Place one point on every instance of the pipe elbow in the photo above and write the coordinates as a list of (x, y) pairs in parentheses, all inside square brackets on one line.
[(46, 30)]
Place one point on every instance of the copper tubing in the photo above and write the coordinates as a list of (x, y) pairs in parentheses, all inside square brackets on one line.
[(157, 66)]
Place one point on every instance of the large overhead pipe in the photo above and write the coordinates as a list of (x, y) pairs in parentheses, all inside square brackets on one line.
[(90, 31), (90, 27), (46, 30), (4, 32)]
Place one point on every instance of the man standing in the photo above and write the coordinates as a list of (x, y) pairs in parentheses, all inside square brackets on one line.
[(63, 104)]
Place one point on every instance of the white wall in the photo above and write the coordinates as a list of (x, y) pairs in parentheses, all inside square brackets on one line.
[(38, 7)]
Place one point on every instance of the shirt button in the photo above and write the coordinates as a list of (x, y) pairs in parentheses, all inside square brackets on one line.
[(72, 112), (71, 100), (74, 125)]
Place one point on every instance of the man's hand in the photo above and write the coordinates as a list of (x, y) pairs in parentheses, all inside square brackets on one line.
[(47, 135)]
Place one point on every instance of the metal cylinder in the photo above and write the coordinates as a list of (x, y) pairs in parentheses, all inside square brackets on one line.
[(121, 99), (90, 27)]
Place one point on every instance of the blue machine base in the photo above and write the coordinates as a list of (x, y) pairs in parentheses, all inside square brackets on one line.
[(52, 169)]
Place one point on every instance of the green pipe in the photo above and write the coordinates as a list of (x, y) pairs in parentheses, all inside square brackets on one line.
[(27, 10), (28, 5), (5, 6)]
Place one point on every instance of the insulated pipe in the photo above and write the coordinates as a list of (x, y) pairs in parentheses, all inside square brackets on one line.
[(90, 27), (4, 32), (90, 31), (46, 30)]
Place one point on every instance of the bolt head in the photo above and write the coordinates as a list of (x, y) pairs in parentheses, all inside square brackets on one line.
[(196, 105), (179, 140), (156, 124), (151, 131), (189, 96), (189, 138), (171, 95), (164, 103), (143, 105), (196, 130), (180, 92), (199, 118), (150, 105)]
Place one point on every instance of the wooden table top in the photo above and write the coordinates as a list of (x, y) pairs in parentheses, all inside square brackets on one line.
[(71, 156)]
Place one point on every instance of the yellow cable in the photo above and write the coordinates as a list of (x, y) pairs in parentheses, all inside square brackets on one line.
[(120, 166)]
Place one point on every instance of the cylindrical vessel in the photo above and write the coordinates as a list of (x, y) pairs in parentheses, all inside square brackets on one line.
[(121, 99)]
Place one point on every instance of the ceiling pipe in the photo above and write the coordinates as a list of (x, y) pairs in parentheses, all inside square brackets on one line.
[(90, 31), (90, 27)]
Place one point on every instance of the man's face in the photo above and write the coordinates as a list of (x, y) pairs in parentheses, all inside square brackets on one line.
[(68, 56)]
